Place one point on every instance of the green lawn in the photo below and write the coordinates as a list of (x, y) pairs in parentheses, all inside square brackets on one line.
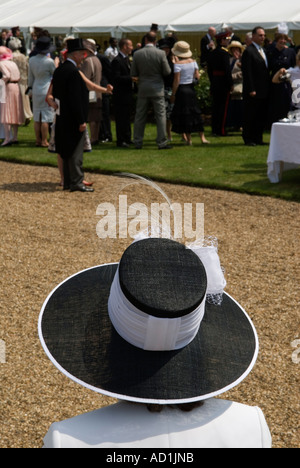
[(224, 164)]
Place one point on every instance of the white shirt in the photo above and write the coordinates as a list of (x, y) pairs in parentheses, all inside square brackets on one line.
[(259, 48), (73, 61), (111, 53), (187, 71), (216, 424)]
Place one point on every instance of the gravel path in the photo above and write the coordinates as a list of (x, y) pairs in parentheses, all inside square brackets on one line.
[(48, 235)]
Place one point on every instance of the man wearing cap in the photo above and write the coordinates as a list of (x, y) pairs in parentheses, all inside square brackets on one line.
[(219, 73), (72, 98)]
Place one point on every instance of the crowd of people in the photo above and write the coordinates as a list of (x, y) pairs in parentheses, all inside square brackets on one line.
[(251, 84)]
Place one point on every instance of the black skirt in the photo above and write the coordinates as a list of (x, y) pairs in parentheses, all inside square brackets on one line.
[(186, 114)]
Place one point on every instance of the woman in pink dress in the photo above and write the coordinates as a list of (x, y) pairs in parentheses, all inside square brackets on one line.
[(12, 113)]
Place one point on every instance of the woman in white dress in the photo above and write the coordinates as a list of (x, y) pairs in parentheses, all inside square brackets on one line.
[(41, 69)]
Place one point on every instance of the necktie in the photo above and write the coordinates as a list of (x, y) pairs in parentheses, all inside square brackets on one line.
[(262, 53)]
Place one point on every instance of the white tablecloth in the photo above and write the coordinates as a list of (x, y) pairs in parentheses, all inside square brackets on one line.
[(284, 152)]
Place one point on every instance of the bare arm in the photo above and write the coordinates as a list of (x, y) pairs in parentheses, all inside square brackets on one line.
[(94, 87), (176, 82)]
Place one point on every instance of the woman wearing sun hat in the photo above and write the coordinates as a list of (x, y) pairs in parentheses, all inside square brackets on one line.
[(146, 331), (235, 106), (186, 116)]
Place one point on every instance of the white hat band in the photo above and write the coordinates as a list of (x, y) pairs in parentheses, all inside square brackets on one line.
[(146, 331)]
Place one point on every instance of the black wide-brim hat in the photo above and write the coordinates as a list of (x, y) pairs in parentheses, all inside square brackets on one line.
[(159, 277)]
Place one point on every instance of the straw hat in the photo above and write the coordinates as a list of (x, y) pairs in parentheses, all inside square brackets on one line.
[(142, 329), (182, 49), (236, 44)]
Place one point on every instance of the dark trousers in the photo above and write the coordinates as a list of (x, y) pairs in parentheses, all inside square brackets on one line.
[(219, 112), (73, 172), (123, 121), (255, 118), (105, 127)]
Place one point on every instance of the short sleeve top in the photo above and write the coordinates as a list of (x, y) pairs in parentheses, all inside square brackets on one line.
[(186, 71)]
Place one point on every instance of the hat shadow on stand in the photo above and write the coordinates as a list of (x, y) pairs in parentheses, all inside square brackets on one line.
[(144, 330)]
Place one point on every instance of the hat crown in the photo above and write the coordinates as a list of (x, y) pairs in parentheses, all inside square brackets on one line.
[(162, 278), (43, 42), (75, 44), (182, 49), (89, 45)]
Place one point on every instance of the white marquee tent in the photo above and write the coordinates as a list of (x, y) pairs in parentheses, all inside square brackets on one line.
[(121, 16)]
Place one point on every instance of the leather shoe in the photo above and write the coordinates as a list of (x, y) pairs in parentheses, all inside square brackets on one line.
[(82, 188)]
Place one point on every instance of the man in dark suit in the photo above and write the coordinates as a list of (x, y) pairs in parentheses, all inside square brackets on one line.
[(123, 92), (256, 88), (105, 134), (72, 98), (207, 45), (221, 83)]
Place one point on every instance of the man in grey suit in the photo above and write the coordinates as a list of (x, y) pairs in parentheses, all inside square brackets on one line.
[(148, 69)]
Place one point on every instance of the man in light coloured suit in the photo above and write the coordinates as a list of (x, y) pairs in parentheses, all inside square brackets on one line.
[(149, 68)]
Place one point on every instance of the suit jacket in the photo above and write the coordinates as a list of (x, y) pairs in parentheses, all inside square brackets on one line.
[(72, 93), (121, 80), (150, 65), (216, 424), (106, 70), (204, 50), (256, 75)]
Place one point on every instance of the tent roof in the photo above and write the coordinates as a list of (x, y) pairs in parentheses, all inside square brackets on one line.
[(137, 15)]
